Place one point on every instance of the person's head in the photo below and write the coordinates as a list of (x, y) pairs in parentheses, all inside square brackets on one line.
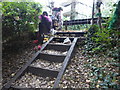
[(45, 13), (57, 9), (60, 9)]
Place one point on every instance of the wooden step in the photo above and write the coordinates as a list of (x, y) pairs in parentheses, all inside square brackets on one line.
[(51, 57), (42, 72), (75, 34), (64, 59), (19, 88), (60, 39), (58, 47)]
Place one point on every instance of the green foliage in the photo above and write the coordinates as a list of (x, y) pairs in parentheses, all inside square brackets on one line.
[(109, 8), (103, 36), (90, 43), (104, 43), (99, 40), (107, 37), (106, 80), (19, 17), (115, 22), (19, 21), (102, 72), (78, 27)]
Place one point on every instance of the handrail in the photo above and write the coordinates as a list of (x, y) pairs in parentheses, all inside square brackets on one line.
[(83, 21)]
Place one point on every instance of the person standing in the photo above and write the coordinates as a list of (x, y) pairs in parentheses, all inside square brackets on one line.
[(44, 26), (57, 18)]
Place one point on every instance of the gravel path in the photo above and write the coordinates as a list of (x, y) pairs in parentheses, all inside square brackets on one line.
[(75, 76), (54, 52), (12, 63), (59, 43), (32, 81), (46, 64)]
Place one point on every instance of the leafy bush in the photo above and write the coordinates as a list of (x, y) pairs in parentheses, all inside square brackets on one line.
[(115, 22), (103, 49), (90, 43), (18, 17), (19, 21)]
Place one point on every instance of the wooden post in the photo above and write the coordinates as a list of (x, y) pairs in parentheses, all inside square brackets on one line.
[(99, 19), (98, 4), (66, 25), (73, 6), (93, 12)]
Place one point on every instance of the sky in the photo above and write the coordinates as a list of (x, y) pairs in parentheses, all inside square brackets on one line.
[(79, 8), (84, 11)]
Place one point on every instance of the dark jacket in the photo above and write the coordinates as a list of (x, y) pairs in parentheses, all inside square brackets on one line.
[(44, 25)]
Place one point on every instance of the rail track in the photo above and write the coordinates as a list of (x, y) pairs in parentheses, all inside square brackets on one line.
[(34, 65)]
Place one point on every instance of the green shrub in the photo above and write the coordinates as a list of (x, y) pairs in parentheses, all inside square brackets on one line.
[(19, 17)]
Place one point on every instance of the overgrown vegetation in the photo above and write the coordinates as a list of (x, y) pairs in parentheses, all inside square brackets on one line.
[(19, 20), (77, 27), (102, 48)]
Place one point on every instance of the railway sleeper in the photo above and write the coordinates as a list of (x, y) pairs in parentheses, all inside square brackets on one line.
[(58, 47), (37, 72), (51, 57), (72, 34), (43, 72), (33, 80)]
